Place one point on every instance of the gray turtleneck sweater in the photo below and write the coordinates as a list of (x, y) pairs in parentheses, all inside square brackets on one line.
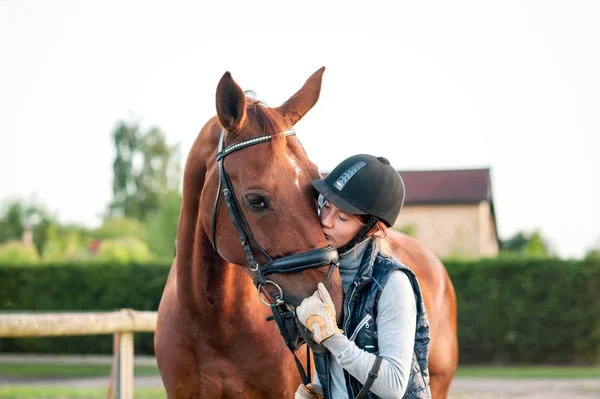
[(396, 325)]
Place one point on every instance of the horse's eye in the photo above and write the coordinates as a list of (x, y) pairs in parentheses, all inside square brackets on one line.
[(256, 201)]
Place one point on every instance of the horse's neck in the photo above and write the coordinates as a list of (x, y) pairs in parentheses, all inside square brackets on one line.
[(204, 279)]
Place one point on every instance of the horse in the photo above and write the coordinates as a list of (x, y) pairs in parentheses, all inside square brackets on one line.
[(262, 244), (439, 298)]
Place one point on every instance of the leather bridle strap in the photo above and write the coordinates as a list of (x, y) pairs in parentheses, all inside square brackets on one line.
[(282, 314), (302, 261), (371, 379), (224, 179), (290, 264), (287, 319)]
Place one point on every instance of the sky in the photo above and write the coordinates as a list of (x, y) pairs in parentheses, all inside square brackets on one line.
[(511, 85)]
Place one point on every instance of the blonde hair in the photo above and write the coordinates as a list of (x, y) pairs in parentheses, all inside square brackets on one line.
[(379, 235)]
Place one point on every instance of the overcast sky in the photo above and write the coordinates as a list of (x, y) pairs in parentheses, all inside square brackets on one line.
[(510, 85)]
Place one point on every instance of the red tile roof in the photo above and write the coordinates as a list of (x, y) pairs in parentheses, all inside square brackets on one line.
[(447, 186)]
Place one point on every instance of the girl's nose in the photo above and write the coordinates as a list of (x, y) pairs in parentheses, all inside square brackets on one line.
[(327, 219)]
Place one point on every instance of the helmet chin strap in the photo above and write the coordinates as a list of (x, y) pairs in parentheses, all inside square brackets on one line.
[(362, 233)]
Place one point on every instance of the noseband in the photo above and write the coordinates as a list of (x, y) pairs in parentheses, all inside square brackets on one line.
[(283, 313)]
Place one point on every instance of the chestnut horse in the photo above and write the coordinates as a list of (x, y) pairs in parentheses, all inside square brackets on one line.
[(440, 303), (212, 339)]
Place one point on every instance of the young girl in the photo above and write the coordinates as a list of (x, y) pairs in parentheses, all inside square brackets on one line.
[(381, 348)]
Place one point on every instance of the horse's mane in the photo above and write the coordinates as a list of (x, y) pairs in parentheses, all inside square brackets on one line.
[(268, 121)]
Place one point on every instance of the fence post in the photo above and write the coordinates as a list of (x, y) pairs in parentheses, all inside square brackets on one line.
[(113, 385), (126, 365)]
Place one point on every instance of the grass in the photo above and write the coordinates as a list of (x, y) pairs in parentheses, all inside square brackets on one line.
[(549, 372), (22, 392), (65, 370)]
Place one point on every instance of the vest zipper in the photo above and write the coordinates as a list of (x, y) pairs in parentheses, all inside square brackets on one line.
[(360, 325), (347, 315)]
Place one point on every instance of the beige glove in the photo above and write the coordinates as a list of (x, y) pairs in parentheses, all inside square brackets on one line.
[(312, 391), (317, 313)]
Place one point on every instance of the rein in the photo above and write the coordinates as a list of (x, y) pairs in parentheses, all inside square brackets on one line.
[(283, 313)]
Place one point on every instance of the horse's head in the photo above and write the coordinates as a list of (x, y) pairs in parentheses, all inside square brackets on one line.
[(272, 185)]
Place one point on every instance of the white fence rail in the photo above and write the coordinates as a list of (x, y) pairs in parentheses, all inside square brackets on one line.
[(123, 324)]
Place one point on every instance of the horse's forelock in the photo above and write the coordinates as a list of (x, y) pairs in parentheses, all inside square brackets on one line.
[(268, 122)]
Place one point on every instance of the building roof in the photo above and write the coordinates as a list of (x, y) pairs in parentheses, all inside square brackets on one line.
[(459, 186), (462, 186), (447, 186)]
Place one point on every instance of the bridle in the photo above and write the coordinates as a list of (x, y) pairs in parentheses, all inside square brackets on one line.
[(283, 312)]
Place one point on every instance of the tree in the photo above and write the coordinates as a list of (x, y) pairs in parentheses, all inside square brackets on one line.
[(17, 253), (12, 223), (593, 253), (162, 225), (123, 250), (516, 243), (67, 243), (18, 215), (119, 227), (527, 244), (145, 168)]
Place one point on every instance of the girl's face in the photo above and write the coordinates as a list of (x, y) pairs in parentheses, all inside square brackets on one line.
[(339, 227)]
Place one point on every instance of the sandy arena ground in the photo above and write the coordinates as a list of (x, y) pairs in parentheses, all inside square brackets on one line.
[(487, 388), (462, 388)]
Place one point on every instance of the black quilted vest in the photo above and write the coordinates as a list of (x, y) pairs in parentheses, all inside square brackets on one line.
[(360, 314)]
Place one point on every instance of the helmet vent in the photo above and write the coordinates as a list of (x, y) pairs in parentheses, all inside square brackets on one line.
[(347, 175)]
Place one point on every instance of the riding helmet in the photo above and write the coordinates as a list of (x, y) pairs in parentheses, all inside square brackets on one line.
[(364, 185)]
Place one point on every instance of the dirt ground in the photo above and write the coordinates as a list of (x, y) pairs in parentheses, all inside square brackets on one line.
[(462, 388), (487, 388)]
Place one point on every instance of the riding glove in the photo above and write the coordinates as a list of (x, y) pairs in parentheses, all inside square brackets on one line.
[(310, 391), (317, 313)]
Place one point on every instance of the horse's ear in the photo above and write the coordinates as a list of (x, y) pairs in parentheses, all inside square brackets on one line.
[(231, 104), (300, 103)]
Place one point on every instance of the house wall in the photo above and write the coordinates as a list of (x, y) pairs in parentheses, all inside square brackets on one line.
[(464, 230), (488, 241)]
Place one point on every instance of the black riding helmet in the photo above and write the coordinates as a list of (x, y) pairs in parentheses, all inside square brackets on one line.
[(364, 185)]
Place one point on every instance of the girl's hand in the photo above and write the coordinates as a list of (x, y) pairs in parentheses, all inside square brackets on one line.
[(317, 313), (312, 391)]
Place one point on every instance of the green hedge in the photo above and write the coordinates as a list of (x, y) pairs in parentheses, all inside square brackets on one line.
[(510, 310), (91, 287), (527, 310)]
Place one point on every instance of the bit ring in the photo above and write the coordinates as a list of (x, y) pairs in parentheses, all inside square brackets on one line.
[(278, 297)]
